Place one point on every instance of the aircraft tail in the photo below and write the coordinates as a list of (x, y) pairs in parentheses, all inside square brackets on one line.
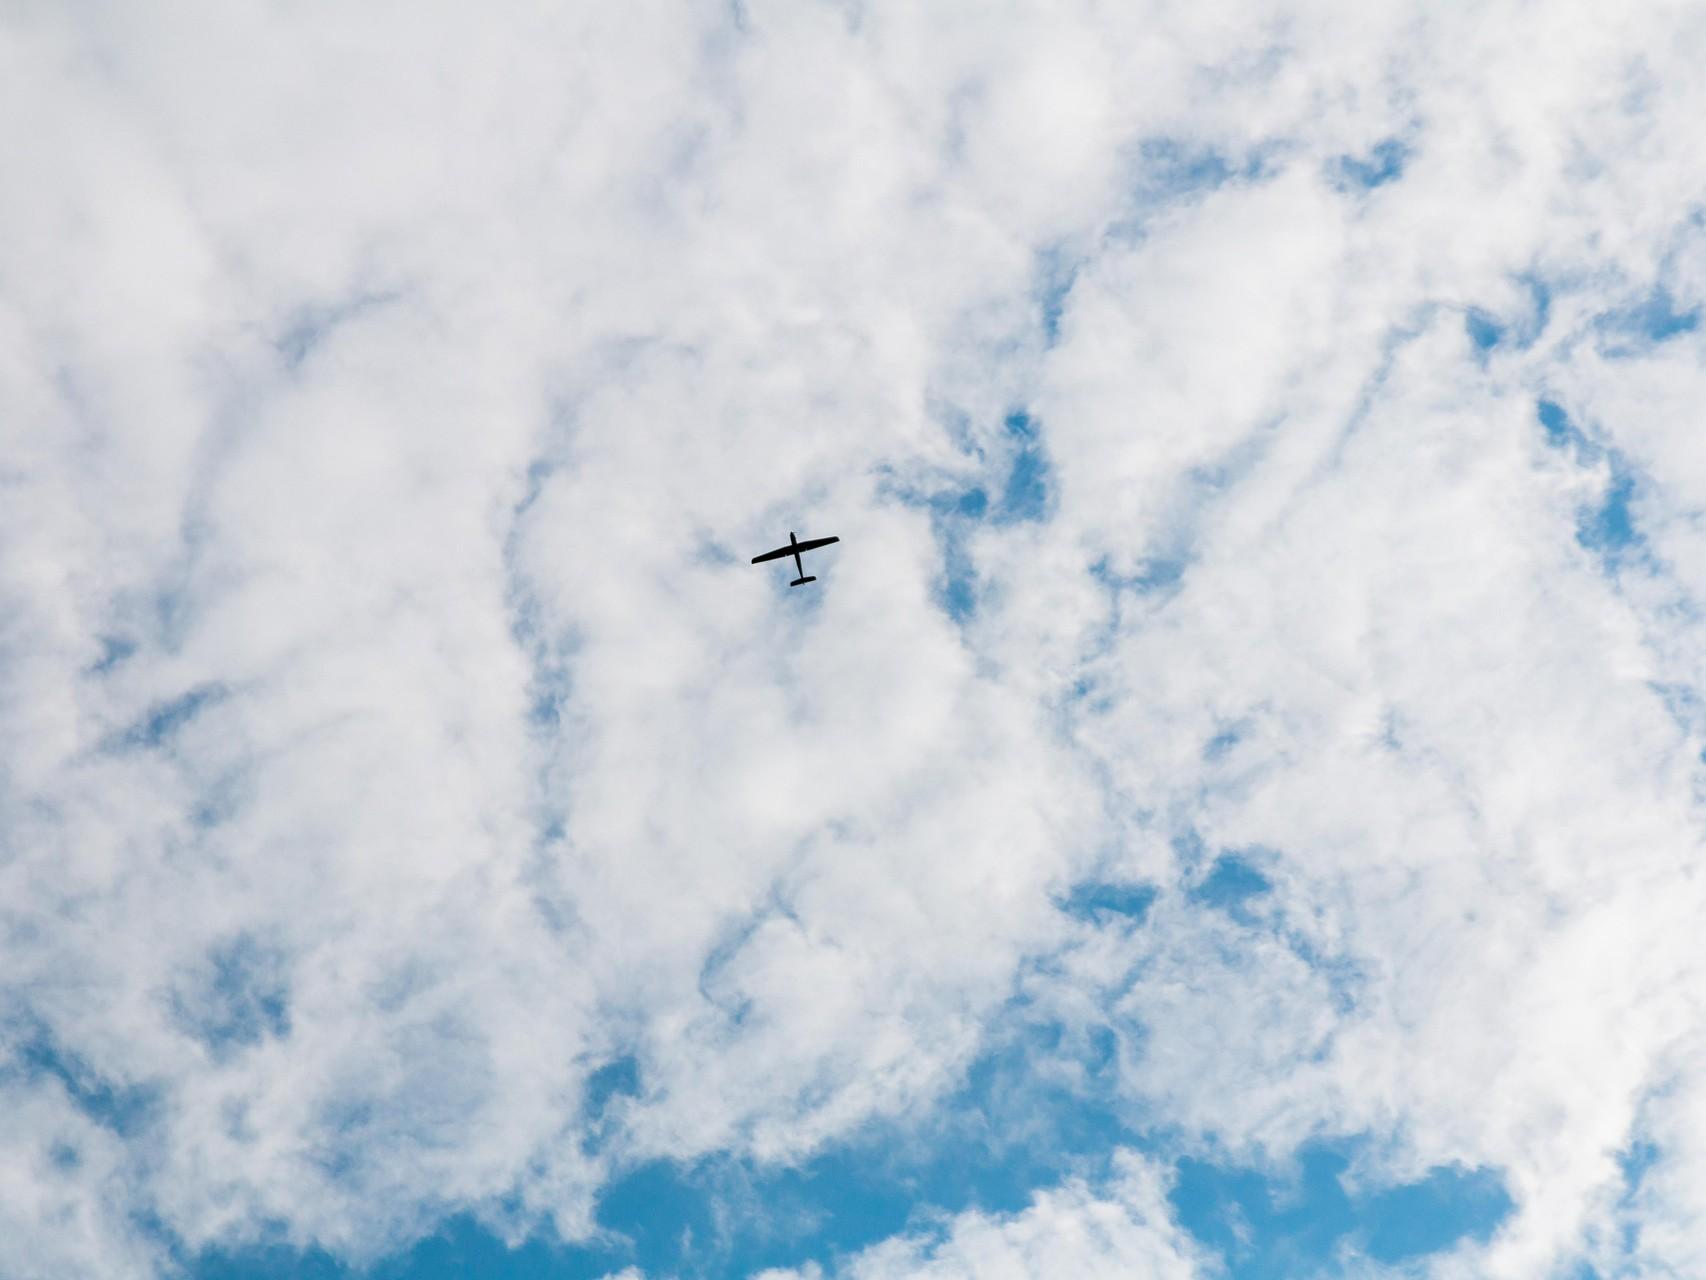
[(802, 581)]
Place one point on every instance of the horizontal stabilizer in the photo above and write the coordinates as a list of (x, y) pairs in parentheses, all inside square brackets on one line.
[(801, 581)]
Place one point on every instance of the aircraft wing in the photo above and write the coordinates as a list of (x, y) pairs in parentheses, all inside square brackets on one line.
[(777, 554), (815, 542)]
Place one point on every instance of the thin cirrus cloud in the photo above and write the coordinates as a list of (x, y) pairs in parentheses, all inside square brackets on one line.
[(1228, 804)]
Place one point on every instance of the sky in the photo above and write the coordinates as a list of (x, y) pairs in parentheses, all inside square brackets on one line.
[(1230, 807)]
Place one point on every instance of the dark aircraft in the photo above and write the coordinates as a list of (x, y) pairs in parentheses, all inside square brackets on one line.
[(794, 547)]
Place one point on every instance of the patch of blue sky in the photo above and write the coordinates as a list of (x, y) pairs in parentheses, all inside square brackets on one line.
[(301, 336), (728, 1218), (1276, 1228), (114, 651), (1041, 1104), (1518, 328), (618, 1078), (1189, 848), (550, 692), (1025, 496), (537, 476), (1384, 163), (1685, 708), (1637, 328), (461, 1248), (731, 1218), (174, 608), (605, 1087), (64, 1157), (1099, 900), (345, 1129), (1042, 1101), (1608, 530), (1634, 1162), (1221, 744), (1056, 272), (663, 1218), (1449, 1205), (1155, 575), (1230, 881), (549, 685), (1231, 885), (1484, 331), (271, 1262), (1022, 484), (734, 937), (1167, 171), (1540, 303), (1005, 1135), (957, 592), (124, 1109), (1158, 574), (1171, 167), (951, 510), (1088, 694), (1621, 1243), (163, 720), (240, 998), (971, 503), (1560, 431)]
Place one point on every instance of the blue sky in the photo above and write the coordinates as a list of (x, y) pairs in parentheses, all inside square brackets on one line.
[(1261, 1225), (1229, 804)]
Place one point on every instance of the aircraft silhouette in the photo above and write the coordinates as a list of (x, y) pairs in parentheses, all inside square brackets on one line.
[(794, 547)]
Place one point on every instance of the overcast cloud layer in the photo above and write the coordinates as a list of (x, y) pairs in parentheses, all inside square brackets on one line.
[(1265, 645)]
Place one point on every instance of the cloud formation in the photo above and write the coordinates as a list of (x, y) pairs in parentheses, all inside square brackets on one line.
[(1263, 643), (1069, 1231)]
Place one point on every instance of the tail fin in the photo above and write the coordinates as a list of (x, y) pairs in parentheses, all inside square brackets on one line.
[(801, 581)]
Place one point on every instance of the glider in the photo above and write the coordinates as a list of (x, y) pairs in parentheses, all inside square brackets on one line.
[(794, 547)]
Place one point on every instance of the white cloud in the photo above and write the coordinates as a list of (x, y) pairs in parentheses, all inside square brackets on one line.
[(1122, 1229), (413, 385)]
